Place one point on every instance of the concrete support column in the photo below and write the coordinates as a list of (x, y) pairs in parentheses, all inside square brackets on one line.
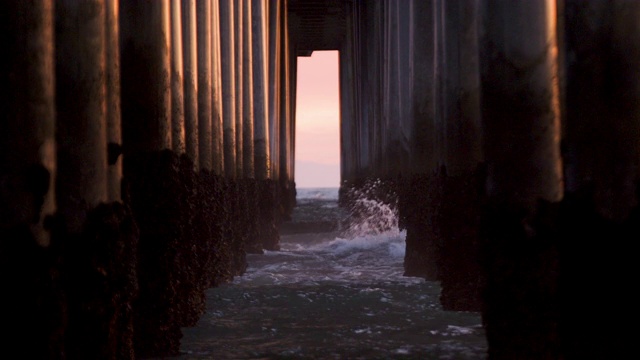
[(146, 72), (253, 243), (95, 235), (228, 68), (603, 125), (403, 122), (359, 186), (421, 193), (81, 129), (463, 145), (285, 88), (235, 194), (177, 80), (440, 66), (28, 154), (217, 126), (376, 37), (396, 89), (293, 91), (27, 180), (351, 186), (285, 113), (356, 68), (365, 85), (347, 123), (390, 89), (153, 172), (521, 125), (601, 149), (403, 62), (114, 124), (523, 157), (238, 50), (27, 128), (190, 61), (270, 189), (260, 90), (423, 51), (459, 215), (205, 139), (247, 93), (274, 87)]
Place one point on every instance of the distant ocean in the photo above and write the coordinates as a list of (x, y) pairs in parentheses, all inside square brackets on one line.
[(317, 193)]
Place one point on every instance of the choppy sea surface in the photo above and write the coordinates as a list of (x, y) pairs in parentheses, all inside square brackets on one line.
[(331, 295)]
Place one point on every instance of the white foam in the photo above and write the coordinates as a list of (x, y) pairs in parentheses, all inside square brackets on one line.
[(459, 330), (363, 259), (405, 350), (370, 251), (397, 249), (391, 241)]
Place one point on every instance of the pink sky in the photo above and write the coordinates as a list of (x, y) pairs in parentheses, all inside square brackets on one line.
[(317, 121)]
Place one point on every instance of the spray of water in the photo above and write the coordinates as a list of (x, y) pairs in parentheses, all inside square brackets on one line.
[(372, 210)]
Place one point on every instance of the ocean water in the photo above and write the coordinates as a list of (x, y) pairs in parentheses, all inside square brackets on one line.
[(332, 295), (311, 194)]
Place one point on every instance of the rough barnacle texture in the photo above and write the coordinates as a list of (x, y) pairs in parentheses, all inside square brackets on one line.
[(99, 273), (599, 219), (420, 206), (521, 127), (157, 200), (193, 256), (183, 249), (220, 268), (519, 259), (32, 294), (458, 263), (254, 243), (235, 229), (586, 264), (286, 199), (268, 226)]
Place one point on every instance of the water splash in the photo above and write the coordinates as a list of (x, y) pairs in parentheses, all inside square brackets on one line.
[(373, 210), (347, 291)]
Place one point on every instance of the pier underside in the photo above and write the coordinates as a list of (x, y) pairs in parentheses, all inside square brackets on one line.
[(147, 147)]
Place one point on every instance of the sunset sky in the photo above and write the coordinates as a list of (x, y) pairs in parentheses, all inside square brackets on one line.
[(317, 121)]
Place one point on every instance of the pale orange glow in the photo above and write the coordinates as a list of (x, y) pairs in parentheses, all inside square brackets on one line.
[(317, 121), (552, 36)]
